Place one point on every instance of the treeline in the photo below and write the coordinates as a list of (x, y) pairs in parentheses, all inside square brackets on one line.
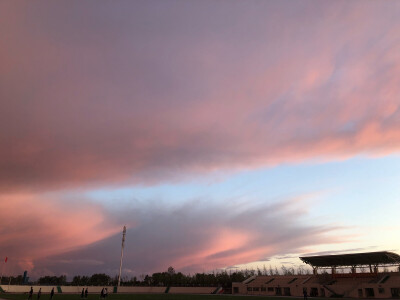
[(12, 280), (173, 278), (46, 280), (167, 278), (53, 280), (95, 279)]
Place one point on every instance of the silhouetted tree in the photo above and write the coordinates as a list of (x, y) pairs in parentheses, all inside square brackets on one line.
[(99, 279), (53, 280), (171, 271)]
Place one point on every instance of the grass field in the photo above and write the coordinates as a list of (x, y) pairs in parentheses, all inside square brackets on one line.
[(143, 297)]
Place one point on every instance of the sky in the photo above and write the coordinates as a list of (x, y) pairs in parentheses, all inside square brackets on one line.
[(223, 134)]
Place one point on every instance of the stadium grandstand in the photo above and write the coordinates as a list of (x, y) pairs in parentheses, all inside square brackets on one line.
[(356, 275)]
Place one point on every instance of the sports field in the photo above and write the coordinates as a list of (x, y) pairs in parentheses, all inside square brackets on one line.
[(144, 297)]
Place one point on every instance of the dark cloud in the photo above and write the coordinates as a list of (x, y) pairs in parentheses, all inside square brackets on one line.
[(344, 251), (285, 257)]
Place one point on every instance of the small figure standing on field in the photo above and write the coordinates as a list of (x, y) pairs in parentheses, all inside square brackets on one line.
[(305, 293), (30, 294), (51, 293), (105, 293), (39, 294), (83, 293), (102, 294), (86, 292)]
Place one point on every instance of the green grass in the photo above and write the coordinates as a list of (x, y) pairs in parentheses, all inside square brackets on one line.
[(143, 297)]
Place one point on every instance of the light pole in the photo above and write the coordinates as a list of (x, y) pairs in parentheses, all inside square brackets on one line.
[(122, 254)]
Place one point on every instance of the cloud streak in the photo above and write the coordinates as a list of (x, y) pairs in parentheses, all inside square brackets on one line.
[(36, 226), (197, 236)]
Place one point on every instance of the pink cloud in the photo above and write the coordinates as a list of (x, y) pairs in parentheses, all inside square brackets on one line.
[(36, 226), (79, 110), (195, 239)]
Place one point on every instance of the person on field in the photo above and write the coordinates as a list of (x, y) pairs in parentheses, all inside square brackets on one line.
[(105, 293), (86, 293), (102, 294), (52, 294), (39, 294), (83, 293), (30, 294), (305, 293)]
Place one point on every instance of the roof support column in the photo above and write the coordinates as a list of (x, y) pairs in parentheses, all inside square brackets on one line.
[(315, 270)]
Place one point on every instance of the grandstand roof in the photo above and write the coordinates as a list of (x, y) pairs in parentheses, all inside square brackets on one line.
[(354, 259)]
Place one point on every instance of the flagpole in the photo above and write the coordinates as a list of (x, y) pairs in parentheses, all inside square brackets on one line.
[(122, 254)]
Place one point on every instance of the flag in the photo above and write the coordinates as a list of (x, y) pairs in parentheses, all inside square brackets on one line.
[(6, 259)]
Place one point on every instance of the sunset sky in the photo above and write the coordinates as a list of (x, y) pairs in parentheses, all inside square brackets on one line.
[(223, 134)]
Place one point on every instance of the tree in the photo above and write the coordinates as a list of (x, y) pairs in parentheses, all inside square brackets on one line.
[(99, 279), (276, 271), (158, 279), (300, 270), (265, 270), (284, 270), (53, 280), (76, 280), (62, 280), (271, 272), (171, 271)]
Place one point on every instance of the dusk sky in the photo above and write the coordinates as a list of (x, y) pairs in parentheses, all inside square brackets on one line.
[(223, 134)]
